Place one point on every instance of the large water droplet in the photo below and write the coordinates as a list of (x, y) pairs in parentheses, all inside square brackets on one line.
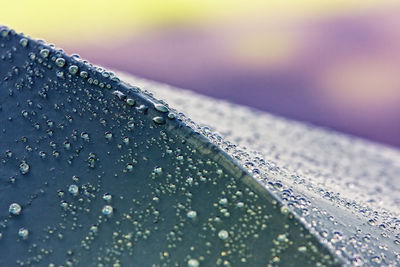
[(24, 168), (15, 209)]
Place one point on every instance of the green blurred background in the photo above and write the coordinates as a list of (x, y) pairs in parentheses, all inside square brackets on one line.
[(331, 63)]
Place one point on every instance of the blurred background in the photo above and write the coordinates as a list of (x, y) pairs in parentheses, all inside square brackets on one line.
[(331, 63)]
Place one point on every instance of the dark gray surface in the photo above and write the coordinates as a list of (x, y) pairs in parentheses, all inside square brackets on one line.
[(42, 110)]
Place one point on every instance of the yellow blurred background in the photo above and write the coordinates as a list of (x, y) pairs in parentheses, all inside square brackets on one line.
[(91, 21)]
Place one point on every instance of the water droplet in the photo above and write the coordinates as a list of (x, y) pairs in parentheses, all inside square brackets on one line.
[(281, 237), (276, 259), (15, 209), (23, 42), (73, 189), (192, 214), (42, 154), (108, 136), (84, 74), (4, 33), (157, 170), (161, 108), (67, 145), (189, 180), (223, 234), (60, 62), (129, 167), (131, 124), (171, 116), (44, 53), (302, 249), (60, 74), (159, 120), (193, 263), (9, 153), (23, 233), (223, 201), (125, 140), (130, 101), (73, 69), (64, 204), (24, 168), (85, 136), (107, 210), (94, 229), (107, 197), (75, 178)]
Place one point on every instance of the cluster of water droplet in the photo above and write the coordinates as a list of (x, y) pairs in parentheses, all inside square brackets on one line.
[(343, 189), (107, 175)]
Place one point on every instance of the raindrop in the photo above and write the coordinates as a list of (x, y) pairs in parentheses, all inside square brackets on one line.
[(15, 209), (192, 214), (84, 74), (60, 62), (23, 42), (171, 116), (157, 170), (302, 249), (159, 120), (193, 263), (85, 136), (223, 201), (223, 234), (161, 108), (107, 210), (108, 136), (23, 233), (24, 168), (129, 167), (9, 153), (130, 101), (73, 69), (131, 124), (44, 53), (107, 197), (4, 33), (73, 189)]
